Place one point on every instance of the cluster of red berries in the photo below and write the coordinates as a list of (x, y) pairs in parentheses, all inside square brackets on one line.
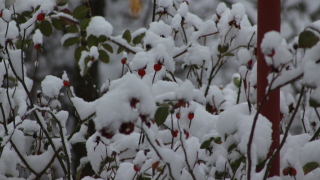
[(289, 171), (175, 133)]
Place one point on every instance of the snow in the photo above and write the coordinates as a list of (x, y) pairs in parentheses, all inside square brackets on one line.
[(197, 55), (244, 56), (51, 86), (183, 10), (99, 26), (15, 58), (128, 99), (37, 37), (271, 41), (160, 28), (176, 22), (84, 109), (238, 125)]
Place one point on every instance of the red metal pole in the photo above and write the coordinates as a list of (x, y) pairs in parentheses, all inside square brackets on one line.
[(269, 19)]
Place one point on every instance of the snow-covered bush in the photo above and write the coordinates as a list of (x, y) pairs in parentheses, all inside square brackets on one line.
[(152, 122)]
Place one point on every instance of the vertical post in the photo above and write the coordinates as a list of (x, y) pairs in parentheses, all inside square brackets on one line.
[(269, 19)]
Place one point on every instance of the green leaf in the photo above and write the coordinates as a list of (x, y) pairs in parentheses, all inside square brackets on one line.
[(138, 38), (102, 38), (72, 29), (103, 56), (223, 49), (71, 41), (120, 49), (92, 41), (228, 54), (206, 143), (62, 2), (307, 39), (56, 23), (217, 140), (235, 164), (46, 28), (309, 167), (80, 12), (161, 115), (26, 13), (314, 103), (20, 19), (107, 47), (77, 53), (127, 36), (236, 82), (231, 147), (84, 23)]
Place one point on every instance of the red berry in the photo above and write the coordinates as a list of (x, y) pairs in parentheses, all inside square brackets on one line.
[(40, 17), (135, 167), (155, 165), (37, 46), (174, 133), (187, 134), (292, 172), (123, 61), (142, 72), (66, 83), (190, 116), (0, 13), (180, 103), (249, 64), (178, 115), (157, 67), (272, 53)]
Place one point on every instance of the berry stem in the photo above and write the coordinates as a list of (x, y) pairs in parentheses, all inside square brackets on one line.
[(122, 70), (154, 76)]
